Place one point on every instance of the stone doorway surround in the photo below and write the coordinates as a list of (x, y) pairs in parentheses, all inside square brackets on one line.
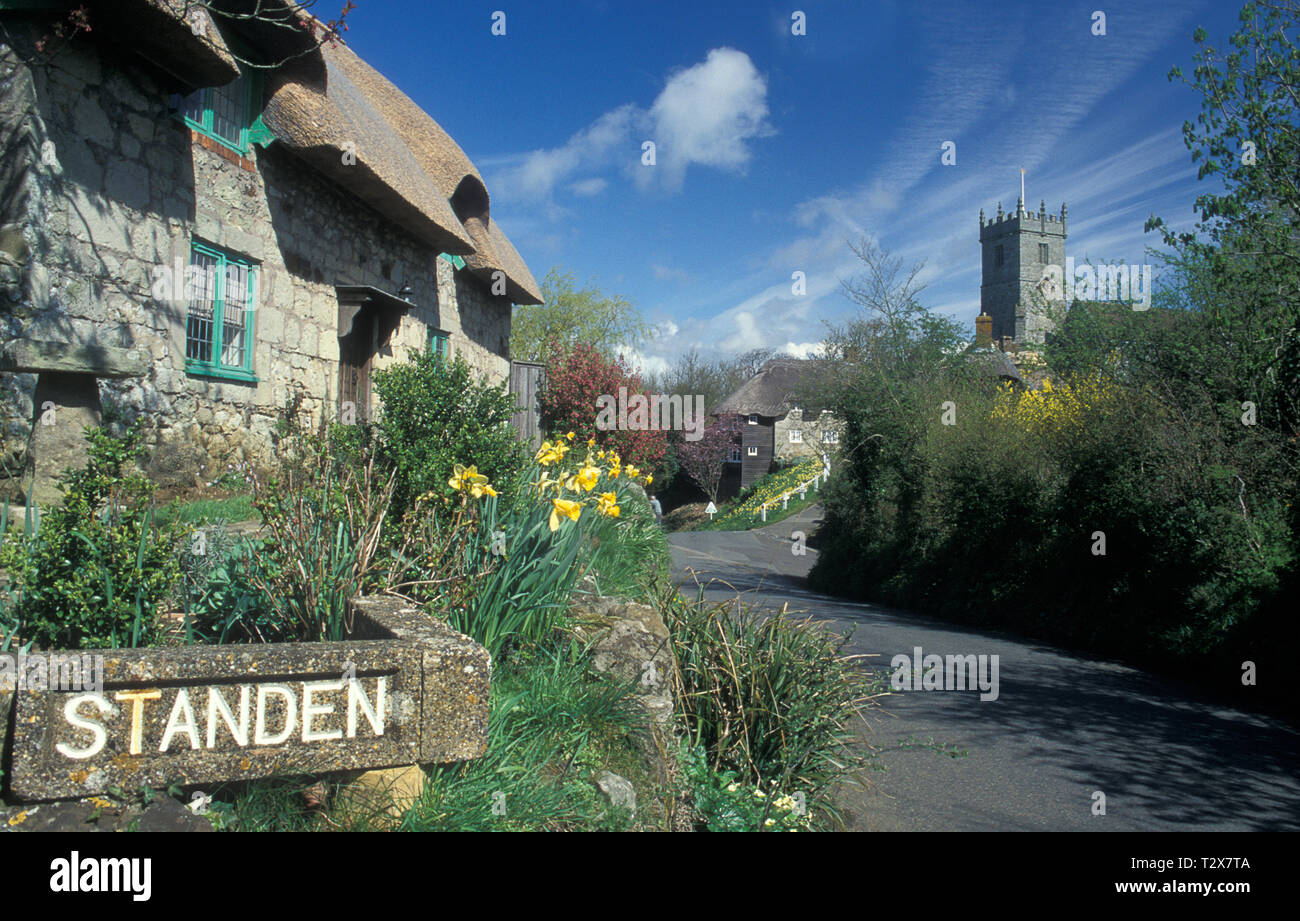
[(66, 401)]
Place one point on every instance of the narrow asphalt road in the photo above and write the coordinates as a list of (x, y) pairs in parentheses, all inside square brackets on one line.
[(1062, 728)]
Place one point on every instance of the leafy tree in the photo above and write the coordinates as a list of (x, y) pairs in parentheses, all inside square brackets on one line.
[(436, 414), (575, 380), (572, 316), (1240, 266), (705, 460)]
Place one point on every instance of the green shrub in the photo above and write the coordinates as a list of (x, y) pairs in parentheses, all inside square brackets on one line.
[(95, 572), (437, 414), (767, 698), (724, 802), (222, 601)]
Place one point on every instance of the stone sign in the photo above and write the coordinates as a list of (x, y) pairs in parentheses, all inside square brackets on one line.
[(403, 689)]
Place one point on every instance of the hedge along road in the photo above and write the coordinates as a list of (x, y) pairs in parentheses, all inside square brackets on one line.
[(1063, 726)]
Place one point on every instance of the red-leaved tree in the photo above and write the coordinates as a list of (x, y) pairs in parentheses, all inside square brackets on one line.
[(575, 379), (705, 460)]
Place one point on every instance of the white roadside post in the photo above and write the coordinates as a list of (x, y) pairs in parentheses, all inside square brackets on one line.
[(711, 510), (763, 508)]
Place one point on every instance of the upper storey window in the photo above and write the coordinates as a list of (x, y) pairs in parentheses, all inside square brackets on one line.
[(228, 114)]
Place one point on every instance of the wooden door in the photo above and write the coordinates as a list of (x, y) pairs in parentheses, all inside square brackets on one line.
[(356, 353)]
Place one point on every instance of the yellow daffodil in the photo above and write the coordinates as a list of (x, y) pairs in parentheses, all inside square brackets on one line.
[(468, 478), (587, 478), (570, 436), (565, 507), (548, 454), (649, 479), (591, 442), (632, 472), (607, 504)]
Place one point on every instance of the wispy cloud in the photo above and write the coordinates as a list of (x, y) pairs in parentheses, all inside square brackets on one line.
[(668, 273), (706, 115)]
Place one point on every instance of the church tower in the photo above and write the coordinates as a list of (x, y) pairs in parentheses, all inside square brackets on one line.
[(1016, 249)]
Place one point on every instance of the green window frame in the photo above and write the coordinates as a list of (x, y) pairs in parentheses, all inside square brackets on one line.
[(440, 343), (221, 291), (230, 114)]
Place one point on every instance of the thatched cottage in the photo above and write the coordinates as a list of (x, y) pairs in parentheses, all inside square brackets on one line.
[(774, 428), (201, 213)]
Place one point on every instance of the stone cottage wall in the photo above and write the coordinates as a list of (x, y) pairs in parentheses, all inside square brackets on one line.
[(814, 431), (119, 187)]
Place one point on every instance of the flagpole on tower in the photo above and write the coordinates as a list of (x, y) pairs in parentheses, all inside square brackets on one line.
[(1022, 183)]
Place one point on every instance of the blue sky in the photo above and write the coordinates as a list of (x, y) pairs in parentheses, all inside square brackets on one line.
[(773, 149)]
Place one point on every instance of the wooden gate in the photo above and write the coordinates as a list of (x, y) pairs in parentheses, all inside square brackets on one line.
[(526, 380)]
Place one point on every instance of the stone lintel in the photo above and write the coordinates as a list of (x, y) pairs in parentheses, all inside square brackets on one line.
[(25, 355)]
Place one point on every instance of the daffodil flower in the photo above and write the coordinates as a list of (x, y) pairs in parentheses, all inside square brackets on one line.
[(565, 507), (459, 477), (587, 478), (607, 504)]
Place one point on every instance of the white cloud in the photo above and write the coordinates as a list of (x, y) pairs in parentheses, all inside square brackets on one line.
[(646, 365), (534, 176), (803, 349), (705, 115), (585, 188)]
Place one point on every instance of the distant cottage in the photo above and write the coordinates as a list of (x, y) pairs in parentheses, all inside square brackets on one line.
[(774, 429), (193, 238)]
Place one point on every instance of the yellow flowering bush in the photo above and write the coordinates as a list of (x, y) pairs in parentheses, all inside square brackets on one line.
[(1054, 408)]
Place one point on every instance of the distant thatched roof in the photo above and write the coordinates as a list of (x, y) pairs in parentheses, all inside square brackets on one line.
[(995, 363), (773, 390), (328, 103)]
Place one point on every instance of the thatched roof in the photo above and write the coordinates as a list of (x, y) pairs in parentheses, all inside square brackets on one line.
[(773, 391), (189, 49), (328, 102), (993, 362)]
